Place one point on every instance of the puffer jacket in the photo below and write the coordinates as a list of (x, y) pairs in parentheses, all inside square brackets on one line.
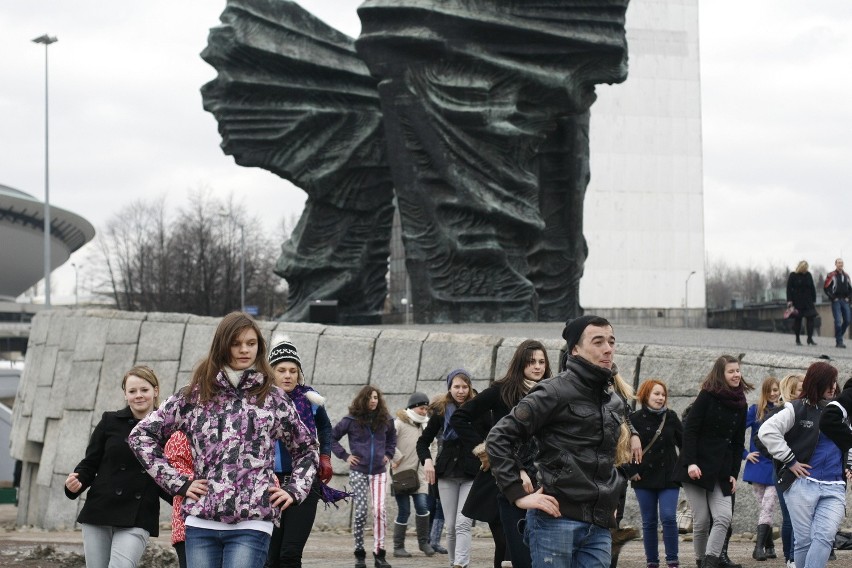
[(370, 446), (575, 416), (405, 456), (232, 438)]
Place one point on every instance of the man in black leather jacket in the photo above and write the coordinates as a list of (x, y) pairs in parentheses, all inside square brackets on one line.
[(575, 416)]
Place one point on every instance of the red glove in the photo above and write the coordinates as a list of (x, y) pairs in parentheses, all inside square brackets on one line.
[(325, 471)]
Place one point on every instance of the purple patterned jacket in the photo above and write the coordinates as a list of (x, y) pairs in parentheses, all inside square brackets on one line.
[(232, 441)]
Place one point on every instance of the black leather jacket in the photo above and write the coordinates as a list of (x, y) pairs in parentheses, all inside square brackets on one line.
[(575, 416)]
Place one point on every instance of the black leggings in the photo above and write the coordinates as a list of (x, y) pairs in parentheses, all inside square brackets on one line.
[(288, 540), (809, 324)]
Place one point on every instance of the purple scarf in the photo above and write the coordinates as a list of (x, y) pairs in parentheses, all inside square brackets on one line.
[(305, 409)]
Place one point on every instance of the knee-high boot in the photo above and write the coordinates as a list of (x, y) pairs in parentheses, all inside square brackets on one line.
[(759, 552), (399, 541), (769, 544), (421, 523), (435, 537)]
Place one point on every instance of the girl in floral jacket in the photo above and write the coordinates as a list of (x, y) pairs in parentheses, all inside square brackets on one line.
[(232, 414)]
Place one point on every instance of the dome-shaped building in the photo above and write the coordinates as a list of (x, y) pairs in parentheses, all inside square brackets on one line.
[(22, 238)]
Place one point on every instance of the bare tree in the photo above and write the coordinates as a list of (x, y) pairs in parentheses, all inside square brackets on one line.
[(190, 263)]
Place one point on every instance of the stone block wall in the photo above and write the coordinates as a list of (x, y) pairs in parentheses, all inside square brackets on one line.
[(76, 359)]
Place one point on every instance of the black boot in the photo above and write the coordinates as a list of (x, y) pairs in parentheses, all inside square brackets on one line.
[(711, 561), (798, 341), (724, 561), (380, 559), (770, 544), (360, 558), (399, 541), (759, 552)]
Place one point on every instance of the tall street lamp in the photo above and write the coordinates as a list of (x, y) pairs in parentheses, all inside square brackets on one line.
[(242, 258), (46, 40), (686, 290)]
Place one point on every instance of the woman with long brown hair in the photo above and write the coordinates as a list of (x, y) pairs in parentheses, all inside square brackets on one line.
[(372, 443), (711, 456), (232, 414), (455, 467), (529, 365)]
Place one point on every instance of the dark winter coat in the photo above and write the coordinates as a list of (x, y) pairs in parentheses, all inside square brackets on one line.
[(455, 459), (368, 445), (801, 291), (658, 461), (834, 423), (576, 418), (121, 493), (713, 439)]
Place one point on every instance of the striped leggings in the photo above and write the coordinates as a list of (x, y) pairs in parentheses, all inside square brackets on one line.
[(377, 486)]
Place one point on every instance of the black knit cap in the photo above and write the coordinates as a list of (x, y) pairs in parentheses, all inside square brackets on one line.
[(574, 330), (284, 350)]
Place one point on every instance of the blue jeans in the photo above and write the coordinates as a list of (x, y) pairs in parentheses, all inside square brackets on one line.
[(566, 543), (842, 314), (786, 528), (649, 500), (816, 510), (243, 548), (403, 504)]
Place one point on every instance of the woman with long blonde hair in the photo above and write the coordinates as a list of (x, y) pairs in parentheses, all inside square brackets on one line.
[(759, 471)]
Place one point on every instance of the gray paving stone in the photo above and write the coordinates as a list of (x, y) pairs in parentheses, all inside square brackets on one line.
[(443, 352), (39, 328), (61, 513), (83, 385), (91, 339), (18, 437), (55, 327), (39, 417), (48, 454), (118, 359), (124, 329), (344, 359), (71, 325), (196, 344), (167, 317), (160, 341), (73, 439), (396, 361), (45, 366)]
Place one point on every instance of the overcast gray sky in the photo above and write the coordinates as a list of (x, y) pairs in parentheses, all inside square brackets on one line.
[(126, 120)]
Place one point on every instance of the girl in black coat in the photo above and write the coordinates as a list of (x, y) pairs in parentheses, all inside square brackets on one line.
[(661, 434), (122, 509), (711, 456), (473, 421), (801, 294)]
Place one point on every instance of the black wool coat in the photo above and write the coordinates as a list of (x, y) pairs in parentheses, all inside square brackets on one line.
[(801, 291), (713, 439), (658, 461), (121, 493)]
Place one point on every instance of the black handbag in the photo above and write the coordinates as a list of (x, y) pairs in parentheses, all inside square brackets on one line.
[(405, 482)]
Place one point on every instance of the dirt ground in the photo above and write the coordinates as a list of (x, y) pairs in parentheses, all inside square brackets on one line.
[(27, 547)]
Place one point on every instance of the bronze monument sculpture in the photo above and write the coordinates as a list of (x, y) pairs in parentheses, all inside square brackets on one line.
[(473, 114)]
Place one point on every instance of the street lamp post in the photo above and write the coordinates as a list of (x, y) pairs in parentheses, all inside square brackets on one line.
[(686, 291), (46, 40), (76, 289)]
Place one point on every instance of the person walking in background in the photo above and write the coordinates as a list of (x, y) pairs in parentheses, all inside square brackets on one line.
[(409, 424), (122, 508), (289, 538), (838, 290), (577, 420), (759, 471), (711, 456), (473, 421), (372, 443), (661, 434), (812, 475), (801, 294), (232, 414), (456, 466)]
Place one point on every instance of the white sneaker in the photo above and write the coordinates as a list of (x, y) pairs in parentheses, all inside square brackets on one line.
[(791, 564)]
